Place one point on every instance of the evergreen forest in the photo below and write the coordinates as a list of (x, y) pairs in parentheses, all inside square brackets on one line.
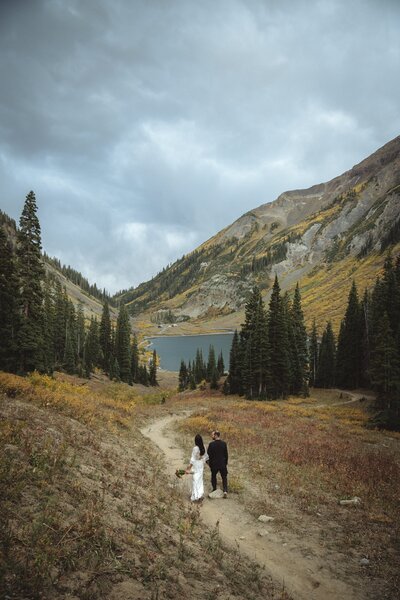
[(42, 330)]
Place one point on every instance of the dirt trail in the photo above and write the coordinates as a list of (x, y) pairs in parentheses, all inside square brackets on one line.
[(306, 577)]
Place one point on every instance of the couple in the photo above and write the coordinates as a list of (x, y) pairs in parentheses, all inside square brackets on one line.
[(217, 459)]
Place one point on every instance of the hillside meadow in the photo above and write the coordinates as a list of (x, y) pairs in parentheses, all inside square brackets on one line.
[(297, 460), (86, 510)]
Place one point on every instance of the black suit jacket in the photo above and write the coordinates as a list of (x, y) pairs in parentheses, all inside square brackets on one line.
[(217, 455)]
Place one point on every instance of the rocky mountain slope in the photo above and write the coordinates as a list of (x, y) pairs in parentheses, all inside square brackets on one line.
[(323, 237)]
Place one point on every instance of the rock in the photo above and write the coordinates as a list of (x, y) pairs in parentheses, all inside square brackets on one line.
[(216, 494), (364, 562), (355, 500), (262, 533), (265, 519)]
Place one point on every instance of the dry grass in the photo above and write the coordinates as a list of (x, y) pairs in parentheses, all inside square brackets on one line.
[(86, 510), (300, 457)]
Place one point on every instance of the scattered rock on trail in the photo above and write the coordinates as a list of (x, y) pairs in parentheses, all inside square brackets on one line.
[(216, 494), (262, 532), (265, 519), (355, 500), (364, 562)]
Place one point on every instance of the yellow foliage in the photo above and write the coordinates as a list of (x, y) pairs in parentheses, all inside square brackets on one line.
[(113, 407)]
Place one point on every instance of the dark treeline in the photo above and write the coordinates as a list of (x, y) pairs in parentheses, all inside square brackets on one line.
[(80, 280), (269, 357), (198, 371), (272, 356), (367, 352), (40, 328)]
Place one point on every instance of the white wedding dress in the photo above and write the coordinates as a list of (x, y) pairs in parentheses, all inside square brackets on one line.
[(197, 463)]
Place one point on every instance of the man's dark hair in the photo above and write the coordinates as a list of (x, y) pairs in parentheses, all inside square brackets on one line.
[(217, 433)]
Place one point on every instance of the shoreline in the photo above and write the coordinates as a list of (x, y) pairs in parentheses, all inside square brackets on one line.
[(152, 337)]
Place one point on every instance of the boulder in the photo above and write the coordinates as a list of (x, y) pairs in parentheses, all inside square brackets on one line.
[(216, 494), (265, 519)]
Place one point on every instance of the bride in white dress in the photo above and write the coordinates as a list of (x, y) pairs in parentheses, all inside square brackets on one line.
[(196, 467)]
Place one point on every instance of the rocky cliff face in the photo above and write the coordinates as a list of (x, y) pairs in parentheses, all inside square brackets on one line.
[(344, 221)]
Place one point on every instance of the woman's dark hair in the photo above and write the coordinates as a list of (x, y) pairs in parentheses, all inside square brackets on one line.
[(198, 440)]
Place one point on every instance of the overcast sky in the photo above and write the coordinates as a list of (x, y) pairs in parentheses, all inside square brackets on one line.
[(144, 127)]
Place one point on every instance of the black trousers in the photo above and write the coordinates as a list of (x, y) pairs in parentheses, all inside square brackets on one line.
[(224, 474)]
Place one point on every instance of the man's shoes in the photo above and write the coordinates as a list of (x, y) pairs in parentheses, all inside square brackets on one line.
[(225, 495)]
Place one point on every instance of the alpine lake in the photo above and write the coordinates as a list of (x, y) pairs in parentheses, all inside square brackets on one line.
[(172, 349)]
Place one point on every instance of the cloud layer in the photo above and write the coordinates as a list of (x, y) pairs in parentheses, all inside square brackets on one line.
[(146, 127)]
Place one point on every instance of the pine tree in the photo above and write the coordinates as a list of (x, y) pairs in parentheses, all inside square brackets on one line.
[(183, 377), (300, 366), (135, 360), (153, 370), (105, 337), (314, 351), (326, 360), (349, 365), (385, 364), (9, 300), (122, 345), (80, 337), (199, 369), (252, 361), (211, 363), (60, 323), (30, 338), (278, 346), (48, 329), (69, 361), (92, 347), (221, 365), (234, 377)]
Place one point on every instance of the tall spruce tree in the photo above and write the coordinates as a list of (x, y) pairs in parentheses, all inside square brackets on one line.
[(80, 338), (153, 370), (326, 360), (300, 366), (349, 360), (9, 317), (211, 363), (234, 377), (314, 351), (92, 347), (220, 364), (385, 364), (30, 337), (105, 337), (48, 329), (183, 377), (252, 361), (123, 345), (200, 368), (135, 360), (278, 346)]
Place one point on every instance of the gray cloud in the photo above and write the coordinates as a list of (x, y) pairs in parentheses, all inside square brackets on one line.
[(145, 127)]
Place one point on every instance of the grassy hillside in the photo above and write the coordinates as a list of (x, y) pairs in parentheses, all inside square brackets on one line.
[(86, 510)]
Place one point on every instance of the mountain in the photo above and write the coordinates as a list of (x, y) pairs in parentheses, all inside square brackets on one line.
[(322, 237)]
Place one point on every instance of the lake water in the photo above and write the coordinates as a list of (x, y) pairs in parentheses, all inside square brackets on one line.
[(172, 349)]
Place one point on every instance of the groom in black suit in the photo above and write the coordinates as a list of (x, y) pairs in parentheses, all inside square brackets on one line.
[(218, 461)]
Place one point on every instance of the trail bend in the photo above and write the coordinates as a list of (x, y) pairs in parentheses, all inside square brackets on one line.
[(305, 577)]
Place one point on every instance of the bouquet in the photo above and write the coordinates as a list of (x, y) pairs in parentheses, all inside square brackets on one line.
[(180, 473)]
